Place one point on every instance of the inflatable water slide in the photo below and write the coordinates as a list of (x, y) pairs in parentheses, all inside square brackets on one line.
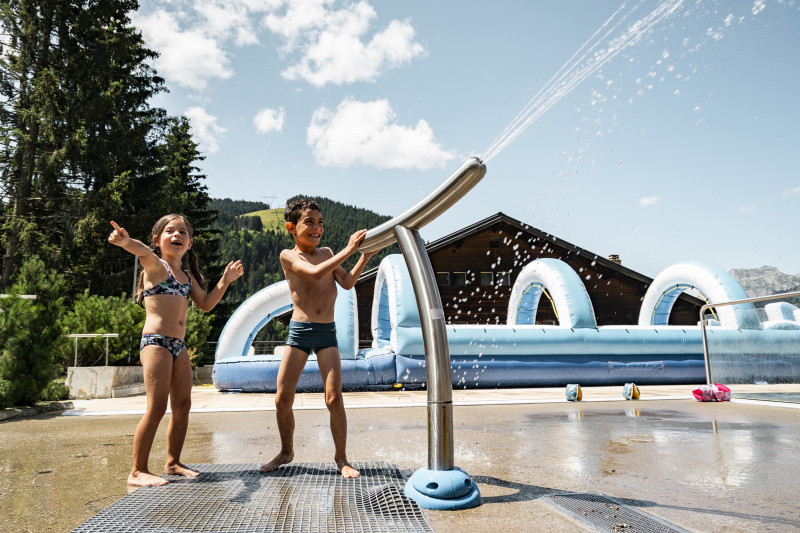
[(521, 353)]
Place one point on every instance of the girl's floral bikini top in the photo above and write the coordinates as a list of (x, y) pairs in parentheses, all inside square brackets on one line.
[(170, 285)]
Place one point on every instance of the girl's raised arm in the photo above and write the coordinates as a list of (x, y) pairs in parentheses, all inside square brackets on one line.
[(149, 260), (206, 302)]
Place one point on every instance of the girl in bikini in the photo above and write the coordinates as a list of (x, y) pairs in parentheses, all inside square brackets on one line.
[(164, 289)]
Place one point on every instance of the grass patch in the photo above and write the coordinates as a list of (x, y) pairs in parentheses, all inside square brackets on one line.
[(271, 218)]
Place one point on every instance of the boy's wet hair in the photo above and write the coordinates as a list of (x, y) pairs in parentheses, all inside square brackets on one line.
[(295, 208)]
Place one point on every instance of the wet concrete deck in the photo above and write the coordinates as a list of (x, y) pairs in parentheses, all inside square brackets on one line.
[(702, 466)]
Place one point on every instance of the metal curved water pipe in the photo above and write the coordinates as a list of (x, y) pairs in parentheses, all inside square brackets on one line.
[(437, 202), (404, 229)]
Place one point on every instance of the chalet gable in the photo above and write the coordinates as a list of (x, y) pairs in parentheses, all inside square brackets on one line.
[(477, 265)]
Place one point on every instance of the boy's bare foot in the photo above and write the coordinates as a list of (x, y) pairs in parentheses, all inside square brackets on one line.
[(180, 469), (281, 459), (145, 479), (346, 469)]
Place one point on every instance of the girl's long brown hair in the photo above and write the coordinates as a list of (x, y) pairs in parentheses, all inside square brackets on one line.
[(194, 266)]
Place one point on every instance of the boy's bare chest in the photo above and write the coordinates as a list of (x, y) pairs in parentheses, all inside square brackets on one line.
[(316, 258)]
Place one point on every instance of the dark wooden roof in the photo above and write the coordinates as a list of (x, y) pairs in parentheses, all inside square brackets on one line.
[(502, 218), (616, 291)]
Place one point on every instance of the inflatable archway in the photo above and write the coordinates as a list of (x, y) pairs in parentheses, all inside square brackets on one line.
[(241, 328), (394, 305), (254, 313), (553, 277), (710, 284)]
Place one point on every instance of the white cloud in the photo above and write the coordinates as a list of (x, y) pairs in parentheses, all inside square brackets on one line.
[(226, 19), (792, 191), (323, 44), (747, 208), (365, 133), (334, 42), (205, 129), (301, 16), (648, 200), (188, 57), (267, 120)]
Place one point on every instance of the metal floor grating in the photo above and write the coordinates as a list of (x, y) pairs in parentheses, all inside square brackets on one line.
[(310, 497), (602, 513)]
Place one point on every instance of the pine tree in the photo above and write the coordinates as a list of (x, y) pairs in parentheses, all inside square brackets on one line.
[(183, 190), (113, 165), (29, 116), (77, 134), (29, 332)]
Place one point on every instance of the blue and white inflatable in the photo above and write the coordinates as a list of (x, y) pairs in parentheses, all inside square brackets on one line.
[(235, 369), (520, 353)]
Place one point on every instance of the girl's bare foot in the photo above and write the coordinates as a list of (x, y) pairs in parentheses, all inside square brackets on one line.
[(346, 469), (281, 459), (145, 479), (180, 469)]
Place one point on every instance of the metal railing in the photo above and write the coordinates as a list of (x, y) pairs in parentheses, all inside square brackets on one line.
[(703, 321), (77, 336)]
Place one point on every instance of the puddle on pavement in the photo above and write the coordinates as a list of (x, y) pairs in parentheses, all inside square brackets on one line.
[(59, 471)]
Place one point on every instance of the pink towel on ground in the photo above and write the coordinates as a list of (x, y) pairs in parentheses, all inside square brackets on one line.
[(712, 393)]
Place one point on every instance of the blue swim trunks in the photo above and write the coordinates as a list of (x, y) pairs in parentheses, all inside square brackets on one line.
[(173, 344), (311, 336)]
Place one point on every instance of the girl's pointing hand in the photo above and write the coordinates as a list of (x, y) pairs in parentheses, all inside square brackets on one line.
[(119, 236)]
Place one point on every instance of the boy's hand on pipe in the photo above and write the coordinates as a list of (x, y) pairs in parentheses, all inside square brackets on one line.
[(355, 240)]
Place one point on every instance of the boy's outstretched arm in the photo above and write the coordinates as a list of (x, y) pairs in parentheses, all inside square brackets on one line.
[(329, 266), (348, 279), (206, 302)]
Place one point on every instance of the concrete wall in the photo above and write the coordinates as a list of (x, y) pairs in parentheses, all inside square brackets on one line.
[(203, 374), (87, 382)]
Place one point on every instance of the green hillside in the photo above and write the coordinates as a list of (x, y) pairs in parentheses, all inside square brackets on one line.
[(271, 219)]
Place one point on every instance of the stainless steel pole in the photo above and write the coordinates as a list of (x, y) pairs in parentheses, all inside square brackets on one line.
[(437, 351), (135, 280), (705, 351)]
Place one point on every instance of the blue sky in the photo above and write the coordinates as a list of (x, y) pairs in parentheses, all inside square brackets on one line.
[(679, 145)]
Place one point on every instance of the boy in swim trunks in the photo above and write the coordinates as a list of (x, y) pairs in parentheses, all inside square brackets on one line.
[(312, 274)]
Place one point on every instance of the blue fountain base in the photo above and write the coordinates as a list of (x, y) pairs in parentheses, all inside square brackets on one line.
[(443, 490)]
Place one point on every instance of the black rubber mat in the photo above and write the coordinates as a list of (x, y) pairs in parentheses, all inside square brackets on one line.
[(310, 497), (602, 513)]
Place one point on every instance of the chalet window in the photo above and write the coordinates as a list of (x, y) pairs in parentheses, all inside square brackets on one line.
[(494, 243), (503, 279), (459, 279), (443, 279), (486, 278)]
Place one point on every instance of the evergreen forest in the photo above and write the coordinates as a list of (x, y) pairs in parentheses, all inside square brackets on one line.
[(81, 144)]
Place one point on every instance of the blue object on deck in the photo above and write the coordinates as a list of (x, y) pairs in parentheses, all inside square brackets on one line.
[(443, 490), (573, 392)]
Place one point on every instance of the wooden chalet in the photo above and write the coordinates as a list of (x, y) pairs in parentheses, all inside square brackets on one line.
[(477, 266)]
